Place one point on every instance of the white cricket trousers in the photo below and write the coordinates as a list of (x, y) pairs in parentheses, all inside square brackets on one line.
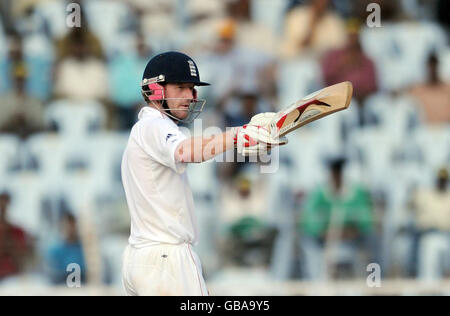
[(163, 269)]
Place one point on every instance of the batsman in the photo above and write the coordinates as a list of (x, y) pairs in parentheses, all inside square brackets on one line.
[(159, 259)]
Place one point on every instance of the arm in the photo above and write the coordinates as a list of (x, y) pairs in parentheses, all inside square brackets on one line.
[(200, 149), (251, 140)]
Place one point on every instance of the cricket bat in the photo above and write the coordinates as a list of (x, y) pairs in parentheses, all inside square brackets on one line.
[(313, 107)]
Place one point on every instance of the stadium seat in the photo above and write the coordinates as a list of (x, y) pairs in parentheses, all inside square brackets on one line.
[(3, 54), (4, 82), (270, 13), (26, 190), (113, 22), (79, 191), (434, 144), (76, 122), (377, 41), (50, 152), (330, 130), (400, 51), (376, 148), (2, 36), (202, 178), (307, 152), (296, 80), (104, 154), (55, 14), (205, 188), (281, 214), (75, 118), (398, 116), (444, 59), (39, 83), (37, 45), (417, 41), (397, 217), (112, 249)]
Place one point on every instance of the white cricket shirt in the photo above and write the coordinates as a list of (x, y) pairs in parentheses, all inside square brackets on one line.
[(156, 187)]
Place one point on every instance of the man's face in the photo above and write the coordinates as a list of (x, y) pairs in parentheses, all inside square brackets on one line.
[(184, 92)]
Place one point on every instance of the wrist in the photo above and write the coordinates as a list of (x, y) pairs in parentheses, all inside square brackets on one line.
[(234, 134)]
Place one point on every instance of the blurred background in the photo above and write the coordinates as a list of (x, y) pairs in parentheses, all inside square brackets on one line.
[(367, 185)]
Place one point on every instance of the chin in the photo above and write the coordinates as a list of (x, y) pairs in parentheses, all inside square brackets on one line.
[(181, 117)]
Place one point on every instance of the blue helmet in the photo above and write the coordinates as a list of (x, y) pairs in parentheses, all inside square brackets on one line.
[(175, 67)]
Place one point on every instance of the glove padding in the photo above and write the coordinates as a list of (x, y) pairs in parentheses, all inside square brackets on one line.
[(248, 146), (255, 138), (265, 133)]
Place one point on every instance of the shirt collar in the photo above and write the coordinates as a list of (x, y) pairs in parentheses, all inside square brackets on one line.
[(147, 111)]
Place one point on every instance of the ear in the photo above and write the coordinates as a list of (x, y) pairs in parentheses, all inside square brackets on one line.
[(195, 94)]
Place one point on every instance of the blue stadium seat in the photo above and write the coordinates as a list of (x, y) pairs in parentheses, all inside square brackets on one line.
[(3, 55), (39, 84)]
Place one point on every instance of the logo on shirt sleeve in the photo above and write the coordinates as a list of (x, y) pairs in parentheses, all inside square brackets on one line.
[(168, 136), (171, 137)]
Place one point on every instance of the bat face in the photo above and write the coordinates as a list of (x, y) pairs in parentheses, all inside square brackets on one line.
[(313, 107)]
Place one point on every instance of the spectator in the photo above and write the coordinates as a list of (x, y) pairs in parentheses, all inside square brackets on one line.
[(248, 239), (67, 251), (336, 216), (233, 68), (312, 28), (432, 221), (14, 246), (434, 95), (390, 11), (350, 63), (160, 21), (249, 33), (38, 66), (203, 19), (81, 75), (22, 114), (28, 20), (92, 45), (125, 74)]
